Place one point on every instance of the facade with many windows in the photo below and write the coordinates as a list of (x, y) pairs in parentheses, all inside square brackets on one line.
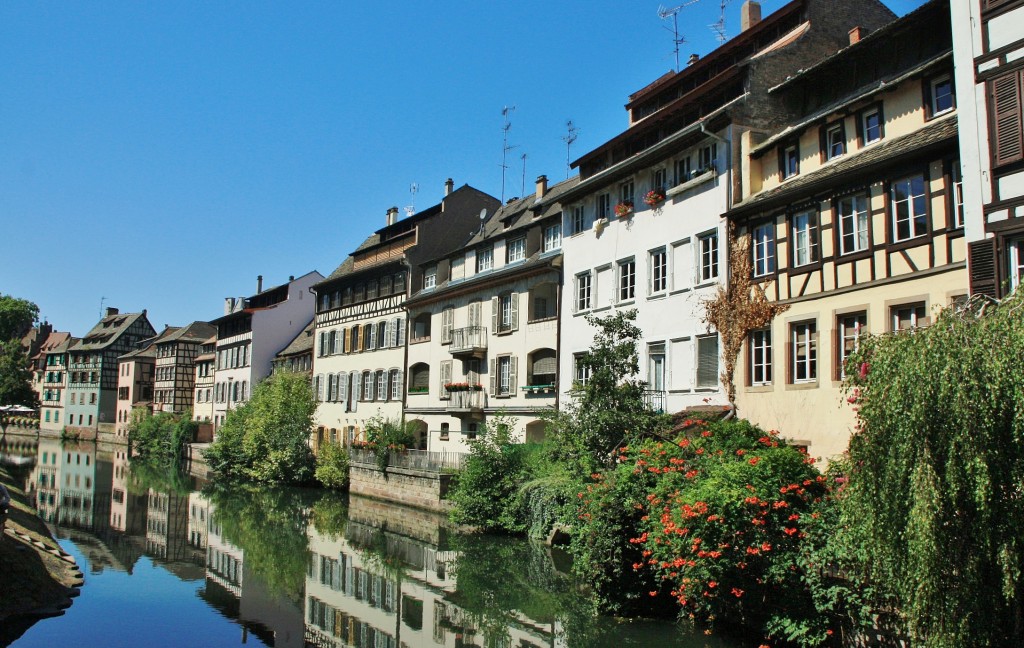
[(863, 233), (988, 48), (359, 368), (205, 368), (135, 377), (643, 227), (174, 379), (53, 380), (485, 331)]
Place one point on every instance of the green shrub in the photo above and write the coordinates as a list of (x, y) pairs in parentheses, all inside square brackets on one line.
[(160, 437), (332, 466)]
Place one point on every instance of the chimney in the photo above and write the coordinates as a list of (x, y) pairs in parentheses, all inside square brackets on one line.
[(111, 311), (449, 184), (693, 59), (291, 278), (542, 186), (750, 14), (856, 34), (392, 215), (259, 284)]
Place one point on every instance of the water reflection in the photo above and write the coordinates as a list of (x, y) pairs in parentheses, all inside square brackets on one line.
[(290, 567)]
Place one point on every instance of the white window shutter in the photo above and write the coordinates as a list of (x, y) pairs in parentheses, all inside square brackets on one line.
[(493, 378), (495, 310), (386, 335), (401, 385), (320, 388), (514, 323), (512, 373), (356, 390), (401, 331), (373, 337), (343, 388)]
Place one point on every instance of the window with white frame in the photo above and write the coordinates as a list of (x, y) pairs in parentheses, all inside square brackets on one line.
[(789, 161), (835, 141), (516, 249), (484, 259), (941, 95), (578, 219), (764, 249), (906, 317), (367, 386), (382, 386), (658, 260), (581, 370), (626, 190), (656, 366), (552, 237), (871, 125), (396, 384), (682, 169), (707, 360), (604, 206), (761, 357), (804, 232), (957, 180), (1015, 257), (504, 384), (583, 286), (507, 314), (659, 179), (849, 328), (707, 156), (708, 250), (909, 208), (853, 223), (627, 280), (804, 345), (430, 277)]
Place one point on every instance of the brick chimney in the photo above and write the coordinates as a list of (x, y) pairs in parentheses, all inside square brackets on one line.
[(449, 185), (693, 59), (392, 215), (542, 186), (112, 311), (856, 34), (750, 14)]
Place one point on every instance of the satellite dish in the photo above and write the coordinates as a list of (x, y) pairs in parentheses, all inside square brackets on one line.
[(483, 213)]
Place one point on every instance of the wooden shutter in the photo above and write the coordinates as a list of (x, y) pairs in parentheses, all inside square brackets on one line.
[(421, 377), (320, 388), (493, 377), (447, 324), (401, 332), (512, 375), (343, 389), (707, 361), (474, 314), (385, 335), (323, 344), (514, 323), (981, 257), (398, 381), (495, 310), (373, 337), (1006, 118), (346, 342), (446, 377), (395, 323), (356, 389)]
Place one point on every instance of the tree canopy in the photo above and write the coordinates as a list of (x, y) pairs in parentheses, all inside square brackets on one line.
[(16, 317)]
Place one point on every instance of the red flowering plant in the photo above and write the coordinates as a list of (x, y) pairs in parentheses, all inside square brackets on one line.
[(624, 208), (722, 514), (654, 197)]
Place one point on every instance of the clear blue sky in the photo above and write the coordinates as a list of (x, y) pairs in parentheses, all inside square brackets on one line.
[(163, 154)]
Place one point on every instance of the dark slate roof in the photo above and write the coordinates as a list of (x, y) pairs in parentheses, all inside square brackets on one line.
[(345, 267), (106, 331), (303, 342), (197, 332), (939, 132), (65, 345), (522, 212)]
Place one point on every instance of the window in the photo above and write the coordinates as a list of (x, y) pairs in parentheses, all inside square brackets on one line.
[(445, 427), (804, 345), (604, 206), (430, 277), (577, 219), (706, 157), (659, 179), (834, 141), (382, 335), (626, 190), (941, 96), (761, 357), (708, 256), (583, 291), (871, 126), (659, 270), (400, 282), (396, 384), (484, 259), (853, 223), (347, 296), (682, 169), (552, 237), (804, 238), (470, 431), (382, 385), (789, 161), (516, 250), (581, 370), (957, 182), (764, 249), (367, 386), (421, 327), (360, 294), (504, 376), (627, 280), (656, 366), (371, 289), (707, 361), (909, 208), (1007, 134), (908, 316), (505, 312), (849, 328), (447, 324)]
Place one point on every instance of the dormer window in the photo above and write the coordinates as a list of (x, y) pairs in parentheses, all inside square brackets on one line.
[(941, 97), (834, 141), (430, 277), (789, 161), (870, 125), (484, 259), (516, 250)]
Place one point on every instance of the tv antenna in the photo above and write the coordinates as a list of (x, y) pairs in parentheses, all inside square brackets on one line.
[(719, 27), (505, 148), (413, 190), (522, 191), (102, 300), (677, 38), (570, 136)]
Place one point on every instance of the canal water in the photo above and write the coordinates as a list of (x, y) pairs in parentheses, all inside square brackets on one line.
[(172, 560)]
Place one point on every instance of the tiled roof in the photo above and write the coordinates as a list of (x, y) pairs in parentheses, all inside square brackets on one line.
[(106, 331), (303, 342), (522, 212), (197, 332), (939, 131)]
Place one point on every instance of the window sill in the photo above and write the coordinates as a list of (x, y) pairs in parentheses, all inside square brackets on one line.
[(849, 257), (657, 296), (626, 302), (800, 386), (691, 183), (542, 319), (706, 284), (805, 268), (419, 340), (760, 389), (601, 309), (905, 244)]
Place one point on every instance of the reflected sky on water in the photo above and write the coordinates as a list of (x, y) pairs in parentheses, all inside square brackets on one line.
[(171, 560)]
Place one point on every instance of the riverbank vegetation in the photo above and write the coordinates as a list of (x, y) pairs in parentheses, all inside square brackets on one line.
[(160, 438), (915, 533)]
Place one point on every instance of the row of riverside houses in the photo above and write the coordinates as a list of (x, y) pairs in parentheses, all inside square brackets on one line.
[(824, 139)]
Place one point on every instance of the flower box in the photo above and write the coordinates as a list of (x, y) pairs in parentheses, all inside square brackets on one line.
[(624, 208), (463, 387), (654, 197)]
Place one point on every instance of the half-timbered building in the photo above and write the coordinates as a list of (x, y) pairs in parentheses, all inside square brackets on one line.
[(205, 370), (54, 394), (361, 325), (851, 219), (484, 326), (175, 367)]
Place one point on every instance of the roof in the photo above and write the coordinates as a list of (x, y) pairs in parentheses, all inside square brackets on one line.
[(522, 212), (148, 351), (63, 347), (52, 341), (197, 332), (107, 331), (303, 342), (939, 132)]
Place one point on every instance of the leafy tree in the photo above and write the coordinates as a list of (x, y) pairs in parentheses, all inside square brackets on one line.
[(933, 509), (332, 466), (16, 317), (16, 376), (267, 438), (160, 437)]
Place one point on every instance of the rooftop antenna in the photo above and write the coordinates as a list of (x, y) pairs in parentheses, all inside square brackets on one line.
[(413, 189), (719, 27), (570, 136), (677, 38), (522, 192), (102, 300), (505, 148)]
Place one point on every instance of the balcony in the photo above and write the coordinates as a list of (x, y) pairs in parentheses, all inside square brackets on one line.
[(470, 342), (466, 402), (655, 399)]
